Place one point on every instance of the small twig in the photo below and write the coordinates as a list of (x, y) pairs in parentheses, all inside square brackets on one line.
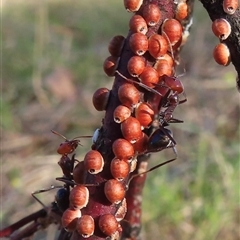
[(26, 232), (32, 217)]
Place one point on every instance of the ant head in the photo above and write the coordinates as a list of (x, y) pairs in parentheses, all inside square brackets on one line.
[(74, 139), (68, 146)]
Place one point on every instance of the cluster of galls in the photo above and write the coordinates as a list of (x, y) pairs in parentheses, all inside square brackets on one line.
[(156, 76), (222, 29), (135, 114), (85, 225), (159, 45), (75, 194)]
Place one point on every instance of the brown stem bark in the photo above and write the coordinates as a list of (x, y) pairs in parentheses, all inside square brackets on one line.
[(132, 221)]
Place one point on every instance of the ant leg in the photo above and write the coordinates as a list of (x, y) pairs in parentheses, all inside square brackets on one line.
[(73, 161), (149, 170), (169, 136), (71, 183), (184, 100), (171, 120), (38, 200), (41, 191), (173, 146), (66, 180), (139, 84), (175, 151), (175, 120)]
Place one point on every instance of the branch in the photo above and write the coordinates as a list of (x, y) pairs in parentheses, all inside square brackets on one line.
[(32, 223), (109, 195), (32, 217), (215, 11), (99, 202), (132, 221), (26, 232)]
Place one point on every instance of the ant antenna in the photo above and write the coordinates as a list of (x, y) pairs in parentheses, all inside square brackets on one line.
[(139, 83), (171, 50), (59, 134), (66, 180), (72, 183), (184, 68), (170, 46)]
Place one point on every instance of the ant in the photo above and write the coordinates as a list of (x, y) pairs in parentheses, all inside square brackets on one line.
[(168, 99), (67, 166), (162, 137), (170, 90), (62, 195), (170, 102), (68, 146), (173, 102), (166, 96)]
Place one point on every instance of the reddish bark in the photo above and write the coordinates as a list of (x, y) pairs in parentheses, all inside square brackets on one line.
[(110, 131)]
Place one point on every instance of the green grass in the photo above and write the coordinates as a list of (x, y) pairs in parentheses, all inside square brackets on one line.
[(195, 197), (200, 203)]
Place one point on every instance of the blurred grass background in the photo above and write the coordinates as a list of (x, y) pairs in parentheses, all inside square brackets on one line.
[(52, 56)]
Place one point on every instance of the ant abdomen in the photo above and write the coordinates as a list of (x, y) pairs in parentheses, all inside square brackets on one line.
[(62, 199), (160, 139)]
